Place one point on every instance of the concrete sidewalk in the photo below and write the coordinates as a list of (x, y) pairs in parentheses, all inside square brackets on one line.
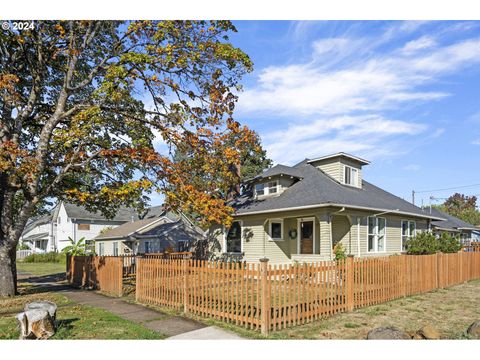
[(174, 327), (207, 333)]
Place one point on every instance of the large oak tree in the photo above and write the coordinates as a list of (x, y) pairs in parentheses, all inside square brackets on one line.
[(90, 112)]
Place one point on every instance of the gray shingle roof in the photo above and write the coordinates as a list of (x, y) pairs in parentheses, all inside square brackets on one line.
[(450, 222), (80, 212), (147, 227), (128, 228), (317, 188), (39, 220), (279, 170)]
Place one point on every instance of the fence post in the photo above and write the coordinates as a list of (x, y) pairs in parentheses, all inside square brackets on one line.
[(440, 270), (138, 278), (186, 269), (350, 283), (265, 312)]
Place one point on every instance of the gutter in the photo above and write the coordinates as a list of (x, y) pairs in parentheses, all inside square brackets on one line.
[(305, 207)]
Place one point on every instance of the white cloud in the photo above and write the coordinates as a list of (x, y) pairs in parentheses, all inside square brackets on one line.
[(425, 42), (379, 83), (370, 136), (476, 142)]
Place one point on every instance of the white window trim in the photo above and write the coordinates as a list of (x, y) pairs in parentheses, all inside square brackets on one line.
[(224, 247), (266, 188), (408, 228), (115, 244), (270, 221), (357, 182), (299, 221), (376, 235)]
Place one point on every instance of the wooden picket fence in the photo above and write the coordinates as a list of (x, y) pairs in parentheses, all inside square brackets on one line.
[(103, 273), (272, 297)]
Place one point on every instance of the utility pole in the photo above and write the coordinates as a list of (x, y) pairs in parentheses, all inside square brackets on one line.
[(413, 197)]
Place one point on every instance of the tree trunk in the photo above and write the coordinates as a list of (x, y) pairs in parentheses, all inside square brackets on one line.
[(8, 270)]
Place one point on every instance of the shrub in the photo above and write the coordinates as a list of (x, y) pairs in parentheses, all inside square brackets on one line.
[(23, 247), (339, 251), (423, 243), (449, 244), (78, 248), (50, 257), (426, 243)]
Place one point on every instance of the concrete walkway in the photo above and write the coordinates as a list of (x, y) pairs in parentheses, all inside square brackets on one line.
[(174, 327)]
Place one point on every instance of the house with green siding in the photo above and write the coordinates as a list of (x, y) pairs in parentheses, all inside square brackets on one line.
[(299, 213)]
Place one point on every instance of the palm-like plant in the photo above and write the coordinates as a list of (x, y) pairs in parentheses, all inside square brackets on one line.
[(78, 248)]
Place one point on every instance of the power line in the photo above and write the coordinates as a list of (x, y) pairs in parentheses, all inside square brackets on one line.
[(451, 188)]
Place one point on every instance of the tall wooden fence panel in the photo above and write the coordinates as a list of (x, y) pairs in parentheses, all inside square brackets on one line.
[(272, 297), (98, 272)]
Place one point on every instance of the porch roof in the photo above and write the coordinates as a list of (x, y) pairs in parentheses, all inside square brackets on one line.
[(36, 237)]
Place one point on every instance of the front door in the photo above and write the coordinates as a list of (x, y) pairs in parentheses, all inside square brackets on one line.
[(306, 237)]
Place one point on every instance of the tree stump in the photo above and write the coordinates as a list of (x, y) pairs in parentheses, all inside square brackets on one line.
[(38, 321)]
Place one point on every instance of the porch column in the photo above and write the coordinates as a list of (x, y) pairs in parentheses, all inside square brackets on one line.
[(331, 235)]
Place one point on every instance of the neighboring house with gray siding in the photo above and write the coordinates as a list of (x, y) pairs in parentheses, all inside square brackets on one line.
[(165, 232), (452, 225), (300, 213)]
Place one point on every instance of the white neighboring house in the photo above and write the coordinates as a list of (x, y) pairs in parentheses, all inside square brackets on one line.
[(52, 232), (39, 234)]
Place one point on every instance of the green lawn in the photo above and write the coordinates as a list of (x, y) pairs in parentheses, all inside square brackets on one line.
[(74, 321), (40, 269)]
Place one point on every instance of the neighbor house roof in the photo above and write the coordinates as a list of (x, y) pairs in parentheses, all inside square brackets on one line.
[(318, 189), (80, 212), (39, 220), (450, 223), (148, 227), (130, 228), (36, 236)]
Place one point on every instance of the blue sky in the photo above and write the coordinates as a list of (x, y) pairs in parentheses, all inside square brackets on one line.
[(405, 95), (402, 94)]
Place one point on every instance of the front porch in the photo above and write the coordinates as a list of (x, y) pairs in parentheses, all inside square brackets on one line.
[(306, 237)]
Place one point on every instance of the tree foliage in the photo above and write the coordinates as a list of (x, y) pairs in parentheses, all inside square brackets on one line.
[(463, 207), (90, 112)]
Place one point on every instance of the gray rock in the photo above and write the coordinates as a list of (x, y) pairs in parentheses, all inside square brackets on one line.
[(387, 333), (474, 330), (429, 333)]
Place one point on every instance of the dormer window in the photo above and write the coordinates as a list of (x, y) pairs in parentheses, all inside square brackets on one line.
[(350, 176), (268, 188)]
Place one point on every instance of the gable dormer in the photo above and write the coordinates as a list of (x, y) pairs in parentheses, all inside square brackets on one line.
[(344, 168), (274, 181)]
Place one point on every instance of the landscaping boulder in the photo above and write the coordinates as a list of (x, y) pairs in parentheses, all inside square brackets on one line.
[(428, 333), (474, 330), (387, 333), (38, 321)]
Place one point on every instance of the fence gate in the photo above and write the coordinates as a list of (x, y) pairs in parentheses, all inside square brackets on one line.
[(103, 273)]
